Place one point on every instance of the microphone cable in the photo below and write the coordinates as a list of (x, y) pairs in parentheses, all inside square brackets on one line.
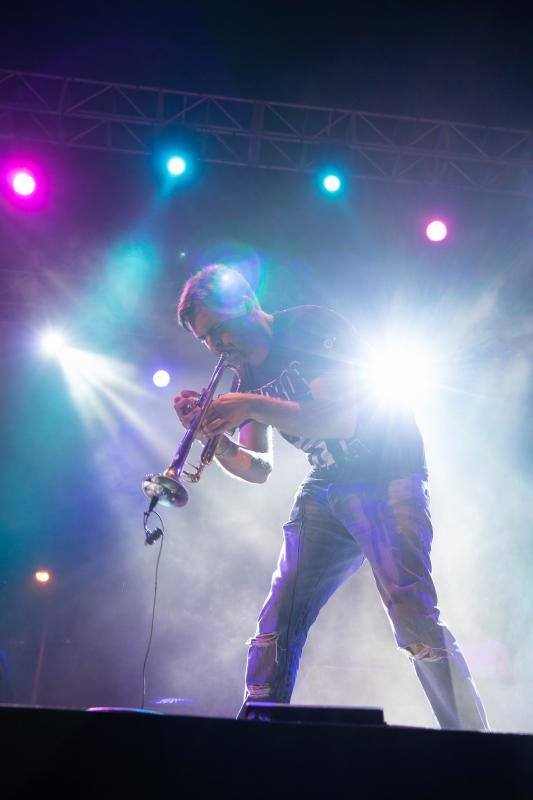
[(151, 537)]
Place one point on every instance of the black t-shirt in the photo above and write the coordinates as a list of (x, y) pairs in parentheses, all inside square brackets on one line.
[(308, 342)]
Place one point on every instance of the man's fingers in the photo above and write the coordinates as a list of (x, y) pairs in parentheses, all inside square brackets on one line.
[(185, 396), (180, 402), (214, 427)]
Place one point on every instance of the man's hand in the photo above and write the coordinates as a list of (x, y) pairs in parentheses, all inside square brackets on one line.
[(186, 409), (226, 413)]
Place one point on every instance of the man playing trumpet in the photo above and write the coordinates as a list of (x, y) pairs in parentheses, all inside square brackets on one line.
[(366, 495)]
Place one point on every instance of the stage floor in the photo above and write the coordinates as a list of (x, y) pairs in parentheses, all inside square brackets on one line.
[(116, 753)]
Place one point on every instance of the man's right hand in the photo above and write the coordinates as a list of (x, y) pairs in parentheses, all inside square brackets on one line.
[(186, 409)]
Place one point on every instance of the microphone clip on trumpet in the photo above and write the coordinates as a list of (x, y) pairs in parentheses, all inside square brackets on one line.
[(166, 487)]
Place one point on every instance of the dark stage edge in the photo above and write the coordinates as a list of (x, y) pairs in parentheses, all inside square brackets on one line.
[(119, 754)]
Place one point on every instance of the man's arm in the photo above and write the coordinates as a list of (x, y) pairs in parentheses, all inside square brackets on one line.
[(251, 458), (329, 412)]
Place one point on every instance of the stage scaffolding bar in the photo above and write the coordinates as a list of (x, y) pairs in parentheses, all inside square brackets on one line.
[(265, 134)]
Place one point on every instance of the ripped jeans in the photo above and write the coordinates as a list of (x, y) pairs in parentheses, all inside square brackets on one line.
[(332, 529)]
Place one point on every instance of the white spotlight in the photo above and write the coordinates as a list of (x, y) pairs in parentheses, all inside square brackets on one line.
[(161, 378), (400, 372), (53, 343)]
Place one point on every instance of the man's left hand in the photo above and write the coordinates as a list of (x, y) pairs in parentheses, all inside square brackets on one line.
[(226, 413)]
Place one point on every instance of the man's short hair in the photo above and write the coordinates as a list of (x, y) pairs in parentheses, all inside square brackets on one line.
[(221, 289)]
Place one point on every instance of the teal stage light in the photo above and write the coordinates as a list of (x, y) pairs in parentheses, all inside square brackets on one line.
[(332, 183), (176, 165)]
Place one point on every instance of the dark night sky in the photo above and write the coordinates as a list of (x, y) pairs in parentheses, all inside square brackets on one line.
[(469, 61)]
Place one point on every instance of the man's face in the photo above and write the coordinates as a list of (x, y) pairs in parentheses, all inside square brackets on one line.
[(232, 335)]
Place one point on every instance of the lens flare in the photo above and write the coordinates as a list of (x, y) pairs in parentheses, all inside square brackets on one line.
[(237, 256)]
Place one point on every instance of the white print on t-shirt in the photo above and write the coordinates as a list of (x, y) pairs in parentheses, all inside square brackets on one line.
[(291, 385)]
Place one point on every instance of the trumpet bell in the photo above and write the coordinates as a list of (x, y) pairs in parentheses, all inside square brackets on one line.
[(169, 491)]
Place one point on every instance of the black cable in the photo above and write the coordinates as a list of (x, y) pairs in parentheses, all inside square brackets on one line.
[(143, 697)]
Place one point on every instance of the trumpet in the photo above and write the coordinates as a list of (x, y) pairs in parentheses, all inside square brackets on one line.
[(166, 487)]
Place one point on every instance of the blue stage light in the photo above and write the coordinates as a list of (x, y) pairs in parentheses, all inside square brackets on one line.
[(176, 165), (332, 183)]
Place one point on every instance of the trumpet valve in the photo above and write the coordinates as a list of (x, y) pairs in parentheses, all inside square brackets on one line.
[(194, 477)]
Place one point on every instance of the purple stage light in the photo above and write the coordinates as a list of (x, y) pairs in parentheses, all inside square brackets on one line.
[(436, 231), (23, 183)]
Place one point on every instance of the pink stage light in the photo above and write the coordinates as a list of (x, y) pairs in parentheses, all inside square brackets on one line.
[(23, 183), (436, 231)]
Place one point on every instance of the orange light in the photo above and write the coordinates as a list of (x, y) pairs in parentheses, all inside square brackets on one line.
[(42, 576)]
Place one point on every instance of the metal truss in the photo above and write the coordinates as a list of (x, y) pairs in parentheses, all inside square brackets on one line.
[(264, 134)]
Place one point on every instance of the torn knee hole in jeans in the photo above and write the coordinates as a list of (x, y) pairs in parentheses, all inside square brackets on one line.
[(258, 690), (262, 660), (424, 652), (266, 640)]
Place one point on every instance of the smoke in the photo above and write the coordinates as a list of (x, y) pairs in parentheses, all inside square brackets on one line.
[(220, 550), (84, 507)]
